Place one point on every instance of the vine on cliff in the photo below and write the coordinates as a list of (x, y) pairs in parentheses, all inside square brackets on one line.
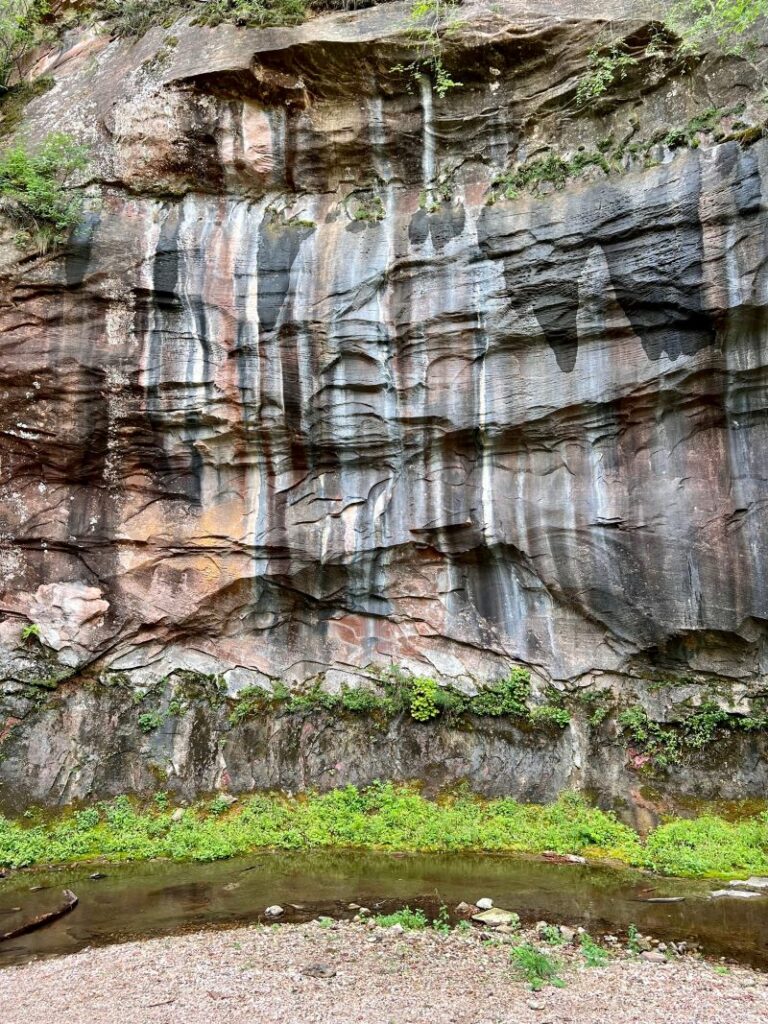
[(428, 22)]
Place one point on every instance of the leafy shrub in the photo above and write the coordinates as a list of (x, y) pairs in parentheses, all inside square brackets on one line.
[(605, 68), (550, 714), (726, 23), (21, 29), (594, 955), (151, 720), (536, 967), (508, 696), (423, 699), (36, 189), (411, 920)]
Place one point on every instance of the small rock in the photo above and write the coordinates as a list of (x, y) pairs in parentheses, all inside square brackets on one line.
[(610, 940), (653, 957), (364, 912), (231, 886), (226, 798), (464, 909), (484, 904), (178, 814), (353, 906), (662, 947), (318, 971), (97, 875), (567, 933), (274, 911), (541, 926), (644, 944), (563, 858), (396, 929), (496, 916), (536, 1004)]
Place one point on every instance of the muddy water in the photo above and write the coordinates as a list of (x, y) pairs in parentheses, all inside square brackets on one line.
[(144, 900)]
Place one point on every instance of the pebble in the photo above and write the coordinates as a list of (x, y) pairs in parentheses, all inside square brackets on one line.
[(464, 908), (178, 814), (274, 911), (536, 1004), (484, 904), (97, 875)]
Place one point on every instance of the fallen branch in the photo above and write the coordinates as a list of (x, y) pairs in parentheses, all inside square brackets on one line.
[(43, 919)]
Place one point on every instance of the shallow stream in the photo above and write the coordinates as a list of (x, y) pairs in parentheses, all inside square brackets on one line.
[(161, 898)]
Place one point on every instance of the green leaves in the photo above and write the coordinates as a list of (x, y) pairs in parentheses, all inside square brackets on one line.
[(36, 188), (725, 23)]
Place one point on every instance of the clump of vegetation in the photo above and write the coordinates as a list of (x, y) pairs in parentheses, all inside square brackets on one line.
[(428, 22), (22, 28), (411, 920), (369, 209), (551, 170), (550, 715), (605, 69), (537, 967), (31, 631), (665, 745), (728, 24), (382, 817), (424, 699), (594, 954), (37, 191)]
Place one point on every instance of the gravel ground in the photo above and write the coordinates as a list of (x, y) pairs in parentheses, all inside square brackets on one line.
[(377, 976)]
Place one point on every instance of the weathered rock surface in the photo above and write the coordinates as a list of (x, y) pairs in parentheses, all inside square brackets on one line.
[(296, 401)]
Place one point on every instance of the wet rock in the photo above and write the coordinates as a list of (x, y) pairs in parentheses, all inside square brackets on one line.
[(97, 875), (496, 916), (484, 904), (464, 909), (755, 883), (274, 911), (734, 894)]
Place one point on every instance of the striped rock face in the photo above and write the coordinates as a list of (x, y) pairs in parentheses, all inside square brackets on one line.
[(297, 399)]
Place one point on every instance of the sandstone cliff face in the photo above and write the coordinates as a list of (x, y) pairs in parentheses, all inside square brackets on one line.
[(297, 401)]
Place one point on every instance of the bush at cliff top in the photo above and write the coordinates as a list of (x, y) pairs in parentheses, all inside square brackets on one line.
[(36, 190), (382, 817)]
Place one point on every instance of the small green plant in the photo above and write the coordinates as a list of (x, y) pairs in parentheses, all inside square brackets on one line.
[(442, 923), (605, 69), (87, 819), (661, 745), (219, 805), (507, 696), (30, 631), (536, 967), (463, 928), (161, 801), (369, 208), (36, 189), (411, 920), (633, 939), (326, 922), (552, 935), (721, 969), (594, 954), (424, 699), (428, 22), (150, 721), (549, 714)]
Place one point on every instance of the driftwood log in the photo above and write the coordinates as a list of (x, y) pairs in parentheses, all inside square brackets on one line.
[(43, 919)]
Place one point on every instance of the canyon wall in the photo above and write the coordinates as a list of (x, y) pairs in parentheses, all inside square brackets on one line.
[(306, 395)]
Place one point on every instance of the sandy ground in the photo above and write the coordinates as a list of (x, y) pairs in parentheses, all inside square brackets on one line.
[(376, 976)]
